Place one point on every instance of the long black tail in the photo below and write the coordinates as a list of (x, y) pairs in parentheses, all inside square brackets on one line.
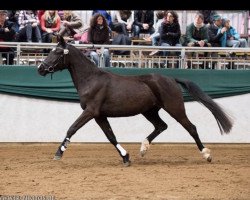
[(224, 122)]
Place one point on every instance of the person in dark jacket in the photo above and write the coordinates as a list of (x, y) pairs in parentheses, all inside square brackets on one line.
[(7, 34), (215, 35), (170, 31), (98, 33), (106, 15), (143, 22)]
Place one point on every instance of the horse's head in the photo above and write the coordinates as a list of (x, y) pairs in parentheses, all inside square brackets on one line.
[(56, 60)]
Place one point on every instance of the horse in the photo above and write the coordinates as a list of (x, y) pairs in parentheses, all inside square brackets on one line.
[(104, 94)]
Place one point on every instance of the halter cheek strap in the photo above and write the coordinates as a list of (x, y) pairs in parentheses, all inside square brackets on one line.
[(51, 69)]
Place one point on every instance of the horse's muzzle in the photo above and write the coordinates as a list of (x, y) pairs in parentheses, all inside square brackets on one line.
[(41, 70)]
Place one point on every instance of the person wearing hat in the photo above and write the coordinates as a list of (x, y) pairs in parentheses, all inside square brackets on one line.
[(215, 35), (231, 38), (7, 34)]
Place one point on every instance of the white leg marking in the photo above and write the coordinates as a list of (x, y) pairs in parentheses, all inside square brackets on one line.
[(63, 148), (123, 151), (206, 154), (144, 147)]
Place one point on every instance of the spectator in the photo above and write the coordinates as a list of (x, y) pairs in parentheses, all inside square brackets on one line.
[(98, 33), (155, 37), (170, 31), (50, 25), (215, 35), (143, 22), (7, 34), (197, 32), (29, 30), (71, 25), (122, 22), (106, 15), (13, 17), (197, 35), (231, 37)]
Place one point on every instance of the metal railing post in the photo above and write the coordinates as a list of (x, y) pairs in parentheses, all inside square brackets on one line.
[(18, 53)]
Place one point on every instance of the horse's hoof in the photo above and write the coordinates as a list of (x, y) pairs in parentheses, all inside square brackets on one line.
[(143, 153), (209, 158), (127, 164), (144, 147), (206, 154), (57, 157), (126, 161)]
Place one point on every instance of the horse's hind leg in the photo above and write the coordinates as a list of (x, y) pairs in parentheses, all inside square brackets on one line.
[(180, 115), (105, 126), (81, 120), (159, 125)]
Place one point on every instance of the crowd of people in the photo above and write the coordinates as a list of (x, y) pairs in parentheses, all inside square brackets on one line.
[(208, 29)]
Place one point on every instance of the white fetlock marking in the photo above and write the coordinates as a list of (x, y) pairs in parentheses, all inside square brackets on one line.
[(123, 151), (145, 146), (206, 153), (63, 148)]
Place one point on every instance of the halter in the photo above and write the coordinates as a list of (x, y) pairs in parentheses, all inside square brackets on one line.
[(51, 69)]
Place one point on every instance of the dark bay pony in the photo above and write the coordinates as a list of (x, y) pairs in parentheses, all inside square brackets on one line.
[(103, 94)]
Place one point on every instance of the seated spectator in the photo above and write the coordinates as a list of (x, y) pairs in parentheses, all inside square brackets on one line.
[(231, 37), (215, 35), (71, 25), (98, 33), (106, 15), (155, 37), (170, 31), (122, 22), (13, 17), (197, 35), (7, 34), (50, 25), (29, 30), (143, 22)]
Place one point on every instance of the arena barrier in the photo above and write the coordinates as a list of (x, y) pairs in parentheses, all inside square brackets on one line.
[(38, 109)]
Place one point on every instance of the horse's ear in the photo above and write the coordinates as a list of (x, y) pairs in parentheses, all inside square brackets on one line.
[(61, 40)]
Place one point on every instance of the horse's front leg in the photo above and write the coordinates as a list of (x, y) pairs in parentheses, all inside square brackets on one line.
[(81, 120), (105, 126)]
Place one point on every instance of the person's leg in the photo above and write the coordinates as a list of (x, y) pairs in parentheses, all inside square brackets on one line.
[(155, 39), (233, 43), (37, 33), (165, 53), (151, 30), (124, 29), (106, 57), (28, 29), (178, 54), (243, 42), (94, 57), (136, 31)]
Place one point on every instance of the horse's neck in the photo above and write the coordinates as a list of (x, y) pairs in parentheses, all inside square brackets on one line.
[(81, 69)]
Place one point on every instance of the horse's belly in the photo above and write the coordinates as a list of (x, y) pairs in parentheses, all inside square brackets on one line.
[(128, 102)]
